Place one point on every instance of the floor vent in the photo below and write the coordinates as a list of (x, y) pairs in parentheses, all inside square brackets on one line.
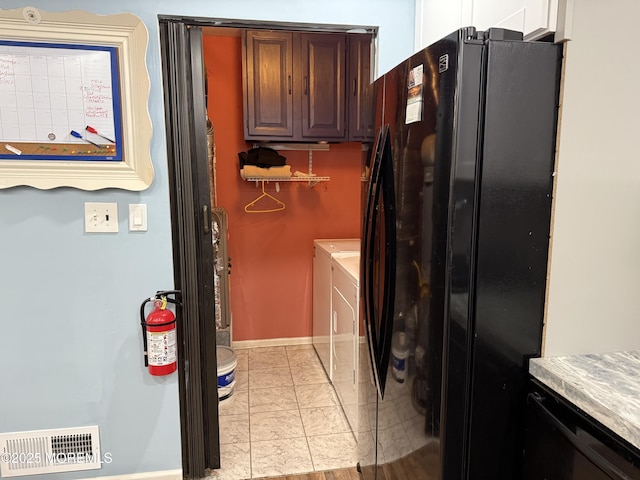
[(49, 451)]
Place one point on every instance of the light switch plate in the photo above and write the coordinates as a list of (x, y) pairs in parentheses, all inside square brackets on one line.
[(137, 217), (100, 217)]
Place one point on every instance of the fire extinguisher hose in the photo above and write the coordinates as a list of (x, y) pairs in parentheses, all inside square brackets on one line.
[(143, 323)]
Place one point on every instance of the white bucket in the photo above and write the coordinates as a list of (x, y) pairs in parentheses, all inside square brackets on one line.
[(399, 353), (227, 364)]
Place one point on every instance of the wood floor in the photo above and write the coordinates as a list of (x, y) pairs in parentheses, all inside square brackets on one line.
[(342, 474)]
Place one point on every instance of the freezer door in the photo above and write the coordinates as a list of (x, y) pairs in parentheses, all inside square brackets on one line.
[(512, 227)]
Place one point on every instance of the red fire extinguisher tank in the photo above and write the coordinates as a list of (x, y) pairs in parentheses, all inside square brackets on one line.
[(161, 340)]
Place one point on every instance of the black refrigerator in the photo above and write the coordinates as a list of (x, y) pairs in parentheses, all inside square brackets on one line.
[(457, 208)]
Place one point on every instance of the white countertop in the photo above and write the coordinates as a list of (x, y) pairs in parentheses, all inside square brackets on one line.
[(606, 386)]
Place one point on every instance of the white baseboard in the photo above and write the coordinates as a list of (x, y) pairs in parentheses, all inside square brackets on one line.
[(272, 342), (163, 475)]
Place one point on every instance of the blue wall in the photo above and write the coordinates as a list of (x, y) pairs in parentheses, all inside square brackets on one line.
[(69, 333)]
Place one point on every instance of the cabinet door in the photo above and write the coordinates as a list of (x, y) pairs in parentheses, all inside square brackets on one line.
[(534, 18), (359, 91), (322, 76), (268, 84), (437, 19)]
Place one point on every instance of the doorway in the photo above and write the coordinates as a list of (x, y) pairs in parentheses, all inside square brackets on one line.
[(189, 172)]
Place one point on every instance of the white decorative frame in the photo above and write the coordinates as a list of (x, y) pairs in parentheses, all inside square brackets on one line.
[(128, 34)]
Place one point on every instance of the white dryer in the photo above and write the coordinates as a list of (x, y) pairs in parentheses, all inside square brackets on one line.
[(323, 250), (345, 306)]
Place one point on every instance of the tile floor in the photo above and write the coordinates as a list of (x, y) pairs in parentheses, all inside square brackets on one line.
[(283, 417)]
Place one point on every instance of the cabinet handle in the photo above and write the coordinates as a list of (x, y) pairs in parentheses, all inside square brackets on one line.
[(289, 82), (306, 84), (206, 219), (355, 86)]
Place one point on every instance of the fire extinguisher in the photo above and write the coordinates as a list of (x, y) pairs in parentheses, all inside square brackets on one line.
[(159, 334)]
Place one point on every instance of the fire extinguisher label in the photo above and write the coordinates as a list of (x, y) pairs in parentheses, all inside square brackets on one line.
[(161, 347)]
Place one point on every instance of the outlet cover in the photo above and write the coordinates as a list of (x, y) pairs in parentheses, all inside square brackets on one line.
[(100, 217)]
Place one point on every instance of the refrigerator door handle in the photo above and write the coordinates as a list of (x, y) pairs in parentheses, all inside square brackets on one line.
[(389, 288), (598, 460), (368, 255), (379, 310)]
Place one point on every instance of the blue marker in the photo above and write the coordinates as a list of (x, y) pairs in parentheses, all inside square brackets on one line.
[(77, 135)]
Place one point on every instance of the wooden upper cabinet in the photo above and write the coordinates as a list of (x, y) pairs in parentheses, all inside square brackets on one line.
[(322, 72), (298, 86), (268, 84), (359, 88)]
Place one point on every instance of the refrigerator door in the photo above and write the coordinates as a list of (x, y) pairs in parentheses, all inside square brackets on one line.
[(419, 97), (471, 124)]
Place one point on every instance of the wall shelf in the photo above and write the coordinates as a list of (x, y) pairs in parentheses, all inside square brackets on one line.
[(320, 147), (309, 177)]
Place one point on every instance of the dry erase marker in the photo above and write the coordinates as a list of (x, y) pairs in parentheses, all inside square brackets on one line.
[(89, 128), (77, 135), (13, 149)]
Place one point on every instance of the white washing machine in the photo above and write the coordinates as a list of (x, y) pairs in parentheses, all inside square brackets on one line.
[(345, 305), (323, 250)]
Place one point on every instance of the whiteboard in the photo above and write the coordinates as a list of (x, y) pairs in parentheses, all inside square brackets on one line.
[(59, 101)]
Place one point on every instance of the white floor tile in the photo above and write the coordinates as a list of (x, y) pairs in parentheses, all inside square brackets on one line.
[(366, 448), (272, 399), (235, 462), (415, 431), (388, 416), (242, 381), (394, 443), (276, 425), (280, 457), (284, 418), (308, 374), (236, 404), (321, 395), (270, 378), (243, 359), (234, 429), (323, 421), (302, 357), (334, 451), (267, 358)]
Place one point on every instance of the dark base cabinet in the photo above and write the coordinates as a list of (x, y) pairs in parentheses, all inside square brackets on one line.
[(564, 443)]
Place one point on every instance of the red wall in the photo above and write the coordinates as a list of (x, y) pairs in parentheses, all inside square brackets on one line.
[(272, 253)]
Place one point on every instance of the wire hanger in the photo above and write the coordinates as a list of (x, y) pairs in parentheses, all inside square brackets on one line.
[(280, 205)]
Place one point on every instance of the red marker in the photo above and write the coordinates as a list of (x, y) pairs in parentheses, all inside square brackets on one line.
[(95, 132)]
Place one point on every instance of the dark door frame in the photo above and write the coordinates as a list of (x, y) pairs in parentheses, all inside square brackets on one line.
[(190, 202), (185, 113)]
